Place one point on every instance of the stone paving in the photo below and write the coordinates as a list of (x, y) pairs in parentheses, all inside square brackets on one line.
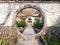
[(29, 31), (29, 42)]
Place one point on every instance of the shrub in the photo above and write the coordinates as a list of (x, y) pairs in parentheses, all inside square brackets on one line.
[(52, 41), (21, 23), (38, 23)]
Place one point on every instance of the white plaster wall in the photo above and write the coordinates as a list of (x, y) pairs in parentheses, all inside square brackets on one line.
[(51, 10), (4, 10)]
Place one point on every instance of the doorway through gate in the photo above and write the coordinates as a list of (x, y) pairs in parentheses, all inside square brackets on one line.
[(30, 20)]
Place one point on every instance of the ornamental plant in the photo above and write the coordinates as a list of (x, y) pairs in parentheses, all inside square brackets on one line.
[(38, 23), (21, 23)]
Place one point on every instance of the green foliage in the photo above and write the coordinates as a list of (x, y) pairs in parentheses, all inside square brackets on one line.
[(5, 41), (21, 23), (38, 23), (52, 41)]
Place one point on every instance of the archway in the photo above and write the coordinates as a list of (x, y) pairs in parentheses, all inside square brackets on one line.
[(29, 11)]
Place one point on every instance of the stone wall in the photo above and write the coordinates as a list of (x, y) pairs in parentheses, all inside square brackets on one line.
[(9, 12), (51, 10)]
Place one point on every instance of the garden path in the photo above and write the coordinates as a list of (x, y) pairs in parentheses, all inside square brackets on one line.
[(29, 32)]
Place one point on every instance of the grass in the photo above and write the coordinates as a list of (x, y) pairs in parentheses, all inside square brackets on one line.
[(52, 41), (5, 41)]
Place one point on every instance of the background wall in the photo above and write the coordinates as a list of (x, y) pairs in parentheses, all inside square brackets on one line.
[(8, 12)]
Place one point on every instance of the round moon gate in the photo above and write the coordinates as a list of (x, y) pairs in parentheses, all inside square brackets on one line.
[(34, 11)]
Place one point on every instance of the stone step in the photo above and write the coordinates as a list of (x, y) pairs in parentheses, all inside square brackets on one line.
[(28, 42)]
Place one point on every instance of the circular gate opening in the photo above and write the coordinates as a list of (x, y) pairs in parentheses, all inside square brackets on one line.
[(30, 20)]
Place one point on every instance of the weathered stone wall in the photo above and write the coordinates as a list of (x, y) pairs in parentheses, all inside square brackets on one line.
[(52, 13), (8, 12)]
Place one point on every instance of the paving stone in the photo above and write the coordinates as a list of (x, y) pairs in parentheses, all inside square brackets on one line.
[(29, 31)]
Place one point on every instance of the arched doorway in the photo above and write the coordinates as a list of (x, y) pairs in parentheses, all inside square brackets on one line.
[(33, 16)]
